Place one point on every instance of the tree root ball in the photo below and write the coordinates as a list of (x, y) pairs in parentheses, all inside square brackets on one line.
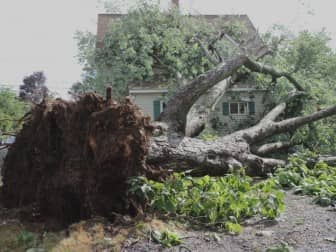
[(72, 160)]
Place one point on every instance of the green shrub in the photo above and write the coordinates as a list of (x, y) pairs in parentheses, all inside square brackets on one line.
[(26, 239)]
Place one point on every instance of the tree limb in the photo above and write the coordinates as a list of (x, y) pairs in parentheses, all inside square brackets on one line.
[(274, 113), (260, 68), (280, 108), (206, 52), (265, 129), (199, 113), (272, 147)]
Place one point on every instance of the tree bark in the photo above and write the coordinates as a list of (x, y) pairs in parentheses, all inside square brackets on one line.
[(272, 147), (198, 116)]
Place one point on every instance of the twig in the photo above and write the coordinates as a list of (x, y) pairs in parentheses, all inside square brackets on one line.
[(184, 247), (4, 146)]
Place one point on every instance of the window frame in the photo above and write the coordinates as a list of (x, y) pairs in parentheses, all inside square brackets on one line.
[(239, 104)]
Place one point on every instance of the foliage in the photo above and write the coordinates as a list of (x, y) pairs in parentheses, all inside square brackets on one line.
[(309, 58), (223, 201), (11, 110), (166, 238), (26, 239), (208, 134), (280, 248), (33, 88), (320, 181), (150, 45), (86, 42)]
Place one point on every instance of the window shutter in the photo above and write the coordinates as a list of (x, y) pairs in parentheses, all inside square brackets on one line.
[(156, 109), (251, 106), (225, 108)]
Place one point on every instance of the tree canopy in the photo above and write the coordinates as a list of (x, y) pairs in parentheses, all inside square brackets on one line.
[(310, 59), (33, 88), (149, 45), (11, 110)]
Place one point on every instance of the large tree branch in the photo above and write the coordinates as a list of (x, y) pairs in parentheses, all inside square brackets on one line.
[(206, 52), (261, 68), (265, 129), (272, 147), (199, 113), (280, 108), (274, 113)]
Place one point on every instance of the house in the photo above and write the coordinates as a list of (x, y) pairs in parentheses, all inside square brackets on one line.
[(241, 106)]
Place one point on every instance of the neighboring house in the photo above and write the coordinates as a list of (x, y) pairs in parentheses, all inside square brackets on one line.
[(241, 106)]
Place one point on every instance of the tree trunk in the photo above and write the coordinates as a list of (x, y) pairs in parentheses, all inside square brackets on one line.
[(198, 116)]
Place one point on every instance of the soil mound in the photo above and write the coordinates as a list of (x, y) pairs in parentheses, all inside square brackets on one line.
[(71, 160)]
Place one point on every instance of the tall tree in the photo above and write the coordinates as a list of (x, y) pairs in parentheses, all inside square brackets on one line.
[(33, 88), (11, 111)]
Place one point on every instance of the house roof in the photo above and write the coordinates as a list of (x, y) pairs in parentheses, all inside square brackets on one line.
[(148, 91), (250, 39)]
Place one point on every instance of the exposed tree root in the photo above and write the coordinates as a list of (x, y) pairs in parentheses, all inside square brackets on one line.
[(72, 159)]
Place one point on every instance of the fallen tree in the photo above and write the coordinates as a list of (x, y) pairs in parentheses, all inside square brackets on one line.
[(72, 160)]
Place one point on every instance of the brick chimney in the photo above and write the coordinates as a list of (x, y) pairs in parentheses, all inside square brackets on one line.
[(175, 3)]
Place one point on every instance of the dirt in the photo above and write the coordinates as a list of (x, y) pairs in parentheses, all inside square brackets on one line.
[(72, 160), (303, 226)]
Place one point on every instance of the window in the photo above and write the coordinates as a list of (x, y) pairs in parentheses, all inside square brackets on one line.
[(234, 108), (238, 108)]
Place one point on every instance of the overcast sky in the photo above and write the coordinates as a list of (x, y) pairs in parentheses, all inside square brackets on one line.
[(38, 34)]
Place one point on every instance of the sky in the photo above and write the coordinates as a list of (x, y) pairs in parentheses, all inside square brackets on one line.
[(38, 35)]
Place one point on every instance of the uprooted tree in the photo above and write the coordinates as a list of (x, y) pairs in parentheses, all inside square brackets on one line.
[(72, 159)]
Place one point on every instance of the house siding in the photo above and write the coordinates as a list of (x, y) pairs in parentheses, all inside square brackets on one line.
[(145, 101)]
